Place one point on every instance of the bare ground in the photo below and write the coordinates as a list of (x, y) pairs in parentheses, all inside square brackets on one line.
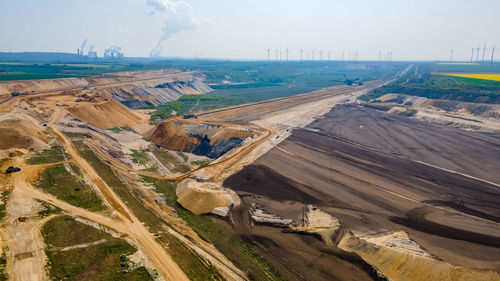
[(369, 169)]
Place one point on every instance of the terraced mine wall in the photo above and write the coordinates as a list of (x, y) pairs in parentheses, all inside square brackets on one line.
[(133, 89), (152, 93), (201, 139)]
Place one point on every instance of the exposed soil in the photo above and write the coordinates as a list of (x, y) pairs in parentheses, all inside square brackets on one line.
[(201, 139), (369, 169)]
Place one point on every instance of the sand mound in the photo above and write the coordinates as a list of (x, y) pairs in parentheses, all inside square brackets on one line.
[(105, 115), (318, 222), (404, 265), (204, 197)]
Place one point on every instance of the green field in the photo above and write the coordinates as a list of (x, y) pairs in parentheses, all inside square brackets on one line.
[(49, 68), (428, 83), (62, 184), (236, 82), (465, 68), (105, 261)]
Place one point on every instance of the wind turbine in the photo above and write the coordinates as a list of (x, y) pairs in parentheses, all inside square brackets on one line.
[(301, 52), (492, 53), (451, 55), (276, 55), (472, 55), (287, 51), (268, 50), (484, 51), (477, 54), (280, 54), (329, 52), (313, 51), (321, 55)]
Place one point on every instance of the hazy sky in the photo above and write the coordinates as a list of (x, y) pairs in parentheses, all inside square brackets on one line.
[(420, 29)]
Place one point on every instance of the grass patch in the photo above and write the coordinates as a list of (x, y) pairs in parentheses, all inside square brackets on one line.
[(164, 188), (184, 156), (194, 266), (170, 161), (241, 253), (74, 135), (3, 265), (4, 197), (202, 163), (188, 103), (139, 157), (54, 154), (106, 261), (121, 129), (47, 209), (62, 184)]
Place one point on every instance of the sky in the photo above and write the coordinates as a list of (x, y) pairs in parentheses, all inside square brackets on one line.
[(237, 29)]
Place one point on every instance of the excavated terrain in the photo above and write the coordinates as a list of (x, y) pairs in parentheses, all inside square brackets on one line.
[(211, 140), (358, 194), (380, 173), (133, 89)]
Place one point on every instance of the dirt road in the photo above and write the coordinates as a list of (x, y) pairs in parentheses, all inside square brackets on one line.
[(126, 222), (124, 225)]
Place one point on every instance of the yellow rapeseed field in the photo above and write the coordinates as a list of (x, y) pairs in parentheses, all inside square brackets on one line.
[(493, 77)]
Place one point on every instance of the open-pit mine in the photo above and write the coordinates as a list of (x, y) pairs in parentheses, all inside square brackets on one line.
[(313, 186)]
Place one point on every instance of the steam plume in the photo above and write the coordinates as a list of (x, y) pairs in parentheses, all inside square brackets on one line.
[(178, 17)]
